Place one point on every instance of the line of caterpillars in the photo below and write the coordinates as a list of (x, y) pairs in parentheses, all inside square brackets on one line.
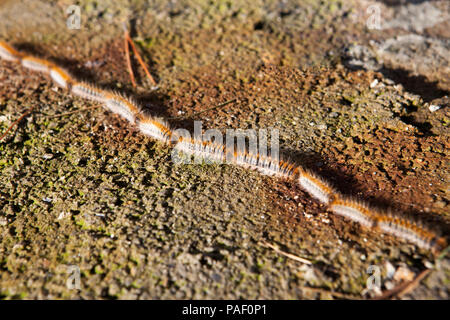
[(158, 129)]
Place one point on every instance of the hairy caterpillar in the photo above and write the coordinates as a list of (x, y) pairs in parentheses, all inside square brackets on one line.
[(158, 129)]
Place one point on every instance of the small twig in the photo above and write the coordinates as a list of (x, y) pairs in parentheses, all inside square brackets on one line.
[(286, 254), (414, 283), (127, 55), (16, 122), (404, 288), (209, 109), (72, 112), (138, 56)]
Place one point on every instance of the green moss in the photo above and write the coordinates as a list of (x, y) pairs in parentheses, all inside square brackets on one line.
[(81, 223)]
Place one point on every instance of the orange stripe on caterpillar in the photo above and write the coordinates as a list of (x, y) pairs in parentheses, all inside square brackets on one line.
[(122, 106), (240, 158), (247, 159), (354, 210), (37, 64), (411, 231), (88, 91), (61, 77), (154, 127), (209, 150), (273, 167), (315, 186), (9, 53), (264, 164), (268, 165)]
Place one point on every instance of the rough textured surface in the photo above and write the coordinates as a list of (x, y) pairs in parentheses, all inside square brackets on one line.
[(85, 189)]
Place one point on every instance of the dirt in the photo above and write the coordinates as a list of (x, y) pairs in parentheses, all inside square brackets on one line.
[(83, 189)]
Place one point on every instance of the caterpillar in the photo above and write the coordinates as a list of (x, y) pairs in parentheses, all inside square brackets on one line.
[(159, 129)]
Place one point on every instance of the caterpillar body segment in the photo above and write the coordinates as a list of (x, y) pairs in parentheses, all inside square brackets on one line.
[(155, 128), (9, 53), (354, 210), (207, 150), (267, 165), (250, 160), (186, 145), (279, 168), (411, 231), (316, 186), (61, 77), (240, 158), (88, 91), (122, 106), (37, 64)]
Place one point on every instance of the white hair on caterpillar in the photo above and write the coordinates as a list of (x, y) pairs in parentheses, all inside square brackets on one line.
[(61, 77), (353, 210), (9, 53), (36, 64), (88, 91), (155, 128), (409, 230), (122, 106), (316, 186)]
